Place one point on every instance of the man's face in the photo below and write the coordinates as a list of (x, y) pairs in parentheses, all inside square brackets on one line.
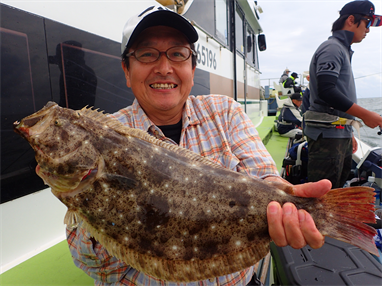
[(361, 31), (297, 102), (161, 87)]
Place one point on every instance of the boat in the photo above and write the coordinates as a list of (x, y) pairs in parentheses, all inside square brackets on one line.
[(43, 46), (54, 50)]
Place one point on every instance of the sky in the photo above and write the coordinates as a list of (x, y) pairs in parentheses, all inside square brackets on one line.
[(295, 29)]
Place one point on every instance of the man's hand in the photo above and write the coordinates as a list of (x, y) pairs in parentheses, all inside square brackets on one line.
[(289, 226), (354, 144), (370, 118)]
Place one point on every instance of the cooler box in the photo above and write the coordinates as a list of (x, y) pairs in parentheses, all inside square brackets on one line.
[(336, 263)]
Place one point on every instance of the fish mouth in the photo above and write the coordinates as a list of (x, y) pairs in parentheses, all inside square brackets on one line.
[(36, 120)]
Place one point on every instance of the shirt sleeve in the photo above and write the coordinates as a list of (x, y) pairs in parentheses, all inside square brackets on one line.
[(248, 147), (93, 258), (329, 60), (329, 93)]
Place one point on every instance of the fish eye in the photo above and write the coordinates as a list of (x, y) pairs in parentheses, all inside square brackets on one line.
[(57, 122)]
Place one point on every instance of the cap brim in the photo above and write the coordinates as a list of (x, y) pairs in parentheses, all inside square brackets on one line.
[(165, 18), (377, 21)]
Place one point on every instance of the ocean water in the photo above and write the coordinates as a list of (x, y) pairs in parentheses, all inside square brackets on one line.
[(368, 135)]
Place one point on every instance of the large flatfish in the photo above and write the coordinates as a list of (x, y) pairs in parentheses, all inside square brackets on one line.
[(165, 210)]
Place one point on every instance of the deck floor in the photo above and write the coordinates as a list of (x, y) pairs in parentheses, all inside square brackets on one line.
[(276, 145), (53, 266)]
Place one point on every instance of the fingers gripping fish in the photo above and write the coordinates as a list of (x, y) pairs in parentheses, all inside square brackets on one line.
[(165, 210)]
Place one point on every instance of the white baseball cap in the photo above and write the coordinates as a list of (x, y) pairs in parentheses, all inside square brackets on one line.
[(156, 16)]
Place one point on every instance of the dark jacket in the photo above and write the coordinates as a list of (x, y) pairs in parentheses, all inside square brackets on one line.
[(291, 83), (305, 101), (290, 118)]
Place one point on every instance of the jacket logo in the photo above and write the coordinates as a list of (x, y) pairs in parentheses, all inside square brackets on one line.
[(326, 67)]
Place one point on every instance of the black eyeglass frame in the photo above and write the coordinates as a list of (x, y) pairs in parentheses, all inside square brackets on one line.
[(369, 21), (192, 52)]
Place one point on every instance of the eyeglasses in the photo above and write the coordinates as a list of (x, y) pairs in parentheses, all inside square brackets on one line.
[(150, 55), (368, 23)]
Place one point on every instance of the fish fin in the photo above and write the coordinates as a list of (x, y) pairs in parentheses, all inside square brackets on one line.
[(180, 270), (175, 148), (127, 183), (119, 127), (137, 133), (343, 215), (281, 186), (71, 219)]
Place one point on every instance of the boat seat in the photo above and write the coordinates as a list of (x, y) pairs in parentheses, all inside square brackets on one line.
[(277, 87), (286, 90), (280, 102), (282, 89)]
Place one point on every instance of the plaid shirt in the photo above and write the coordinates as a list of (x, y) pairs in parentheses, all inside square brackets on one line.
[(214, 126)]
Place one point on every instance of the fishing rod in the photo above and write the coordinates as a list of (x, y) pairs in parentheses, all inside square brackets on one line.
[(367, 75)]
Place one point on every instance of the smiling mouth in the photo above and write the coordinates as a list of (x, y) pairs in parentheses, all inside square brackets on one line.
[(163, 85)]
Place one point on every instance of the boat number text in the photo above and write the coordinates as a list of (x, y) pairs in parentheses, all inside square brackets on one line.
[(206, 57)]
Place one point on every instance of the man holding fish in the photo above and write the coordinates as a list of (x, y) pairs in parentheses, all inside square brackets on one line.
[(159, 62)]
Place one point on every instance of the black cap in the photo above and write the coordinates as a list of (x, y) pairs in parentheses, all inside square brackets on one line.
[(294, 75), (362, 7), (296, 96)]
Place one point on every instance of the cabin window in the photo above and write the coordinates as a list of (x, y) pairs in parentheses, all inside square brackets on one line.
[(239, 24), (24, 89), (251, 48), (202, 12), (32, 50), (249, 41), (221, 21)]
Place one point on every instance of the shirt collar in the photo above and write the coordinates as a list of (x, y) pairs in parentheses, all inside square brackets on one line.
[(344, 36), (143, 122)]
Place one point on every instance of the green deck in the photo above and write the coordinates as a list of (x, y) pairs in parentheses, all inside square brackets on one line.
[(276, 145), (55, 266)]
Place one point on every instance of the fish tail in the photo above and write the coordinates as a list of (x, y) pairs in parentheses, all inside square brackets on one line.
[(343, 216)]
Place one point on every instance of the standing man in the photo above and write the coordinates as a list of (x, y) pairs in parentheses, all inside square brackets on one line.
[(333, 93), (284, 76), (159, 61)]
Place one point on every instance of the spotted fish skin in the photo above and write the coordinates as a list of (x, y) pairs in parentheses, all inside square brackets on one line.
[(162, 209)]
